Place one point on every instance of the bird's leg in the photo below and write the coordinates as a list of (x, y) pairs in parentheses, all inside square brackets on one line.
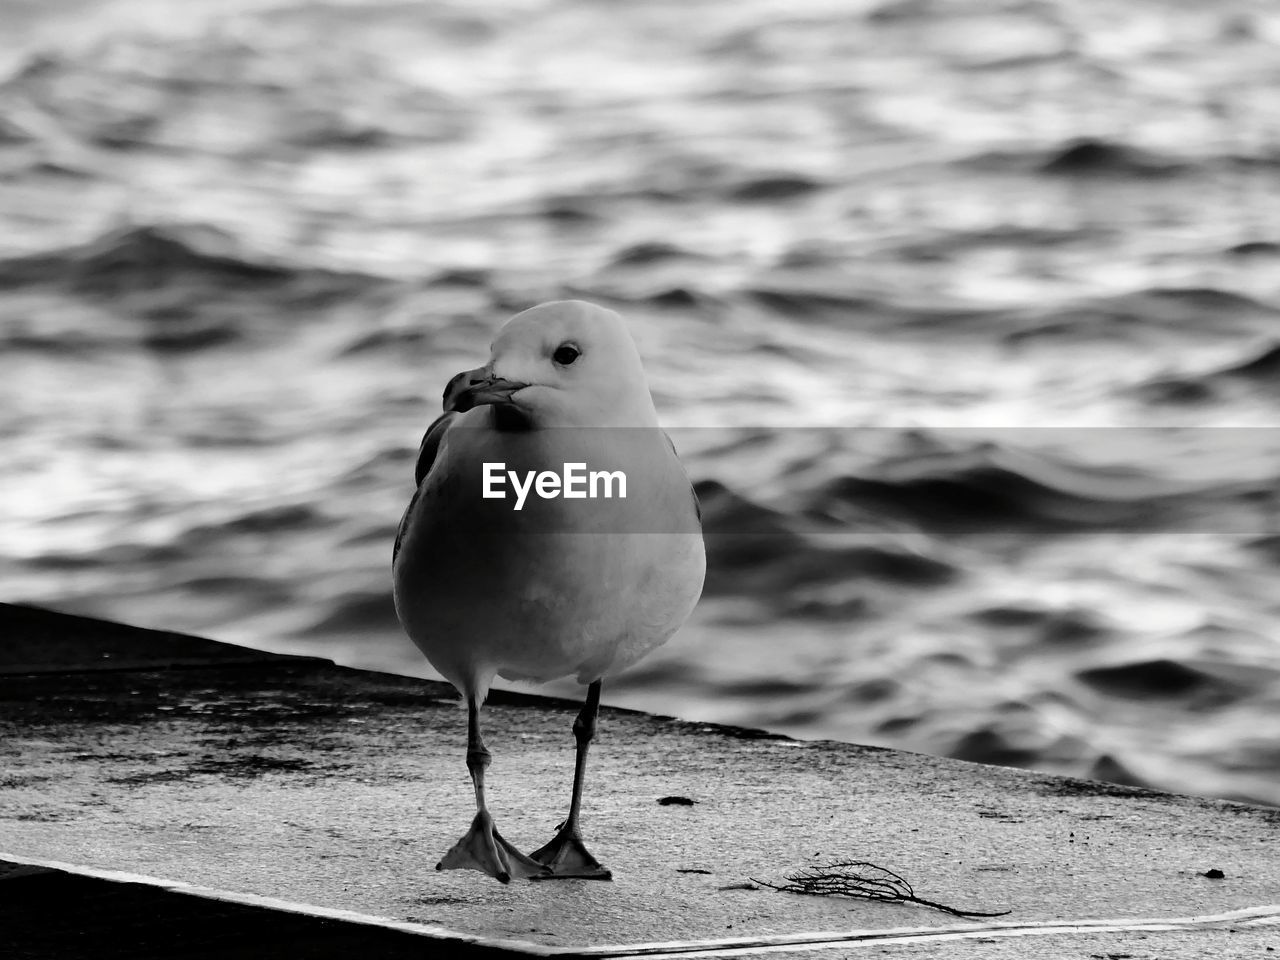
[(566, 854), (483, 848)]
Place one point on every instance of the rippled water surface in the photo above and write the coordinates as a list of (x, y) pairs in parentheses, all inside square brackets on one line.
[(965, 317)]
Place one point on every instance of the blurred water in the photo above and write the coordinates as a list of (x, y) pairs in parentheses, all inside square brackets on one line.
[(965, 317)]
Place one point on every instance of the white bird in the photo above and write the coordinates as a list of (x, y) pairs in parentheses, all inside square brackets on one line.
[(564, 585)]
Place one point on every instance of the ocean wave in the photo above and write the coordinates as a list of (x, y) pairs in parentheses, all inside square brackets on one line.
[(390, 340), (754, 550), (218, 93), (988, 487), (982, 497), (1084, 157), (1010, 236), (650, 253), (1050, 629), (1165, 679), (116, 555), (1088, 157), (764, 189), (1259, 370), (355, 613), (1254, 248), (810, 304), (138, 258), (1159, 316), (1267, 547), (169, 288), (1176, 391), (1263, 368)]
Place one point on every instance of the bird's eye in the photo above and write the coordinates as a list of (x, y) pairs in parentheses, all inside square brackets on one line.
[(565, 354)]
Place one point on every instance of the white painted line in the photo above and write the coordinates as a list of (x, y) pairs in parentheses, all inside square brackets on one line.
[(1251, 916)]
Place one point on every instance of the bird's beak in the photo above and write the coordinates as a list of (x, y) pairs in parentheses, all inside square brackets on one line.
[(485, 389)]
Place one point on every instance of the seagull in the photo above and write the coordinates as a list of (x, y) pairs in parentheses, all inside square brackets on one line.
[(578, 579)]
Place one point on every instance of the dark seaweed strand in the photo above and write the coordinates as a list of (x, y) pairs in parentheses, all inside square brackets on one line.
[(834, 880)]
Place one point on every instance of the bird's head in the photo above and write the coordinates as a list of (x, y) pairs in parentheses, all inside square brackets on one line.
[(560, 364)]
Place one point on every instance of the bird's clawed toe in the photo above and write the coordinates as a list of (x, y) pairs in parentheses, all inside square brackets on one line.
[(566, 857), (484, 849)]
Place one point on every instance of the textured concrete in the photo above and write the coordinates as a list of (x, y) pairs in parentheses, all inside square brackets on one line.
[(297, 780)]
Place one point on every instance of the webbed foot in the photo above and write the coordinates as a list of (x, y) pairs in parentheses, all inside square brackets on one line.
[(484, 849), (566, 857)]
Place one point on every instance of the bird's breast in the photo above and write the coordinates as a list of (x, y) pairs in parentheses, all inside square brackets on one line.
[(502, 557)]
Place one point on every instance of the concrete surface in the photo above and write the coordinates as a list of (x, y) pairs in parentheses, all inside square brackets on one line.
[(290, 779)]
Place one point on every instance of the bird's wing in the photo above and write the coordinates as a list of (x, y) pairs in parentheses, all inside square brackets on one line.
[(693, 491), (426, 457), (430, 444)]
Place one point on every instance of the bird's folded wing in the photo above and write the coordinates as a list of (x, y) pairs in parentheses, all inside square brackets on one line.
[(430, 444), (426, 457)]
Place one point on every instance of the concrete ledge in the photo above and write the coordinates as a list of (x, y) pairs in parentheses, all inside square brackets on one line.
[(277, 784), (57, 913)]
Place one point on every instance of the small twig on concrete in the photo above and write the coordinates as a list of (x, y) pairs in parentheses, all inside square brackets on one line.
[(859, 878)]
